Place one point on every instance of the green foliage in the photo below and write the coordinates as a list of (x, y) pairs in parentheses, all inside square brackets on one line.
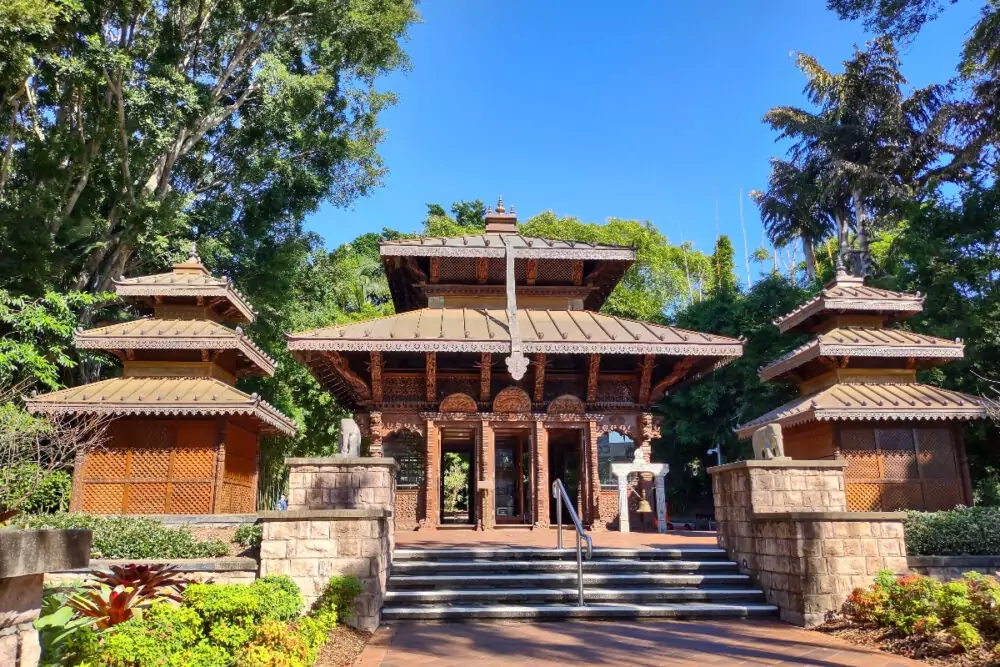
[(971, 530), (249, 535), (663, 278), (723, 263), (703, 414), (36, 336), (164, 635), (65, 638), (456, 482), (121, 537), (964, 609), (36, 490), (339, 595), (270, 598)]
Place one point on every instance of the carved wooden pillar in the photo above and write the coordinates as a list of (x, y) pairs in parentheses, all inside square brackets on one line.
[(593, 497), (376, 370), (531, 271), (645, 378), (430, 374), (435, 270), (375, 434), (593, 371), (221, 428), (255, 478), (539, 396), (578, 272), (432, 476), (487, 479), (963, 463), (645, 432), (540, 458), (482, 270), (485, 370)]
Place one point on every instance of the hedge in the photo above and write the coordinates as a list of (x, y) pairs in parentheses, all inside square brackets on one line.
[(973, 531)]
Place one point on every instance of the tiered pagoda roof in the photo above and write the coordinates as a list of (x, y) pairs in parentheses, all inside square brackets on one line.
[(854, 368), (182, 361)]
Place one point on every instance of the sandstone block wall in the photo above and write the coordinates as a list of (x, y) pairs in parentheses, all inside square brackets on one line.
[(946, 568), (784, 522), (311, 546), (20, 603), (218, 570), (341, 483)]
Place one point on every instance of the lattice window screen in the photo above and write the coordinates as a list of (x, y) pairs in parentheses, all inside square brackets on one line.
[(408, 450)]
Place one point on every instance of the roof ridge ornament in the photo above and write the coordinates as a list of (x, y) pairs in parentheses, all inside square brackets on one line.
[(517, 363)]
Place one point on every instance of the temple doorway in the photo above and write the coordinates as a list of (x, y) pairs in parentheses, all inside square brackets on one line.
[(458, 479), (512, 476), (564, 464)]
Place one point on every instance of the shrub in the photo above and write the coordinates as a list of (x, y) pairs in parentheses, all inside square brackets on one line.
[(165, 635), (276, 645), (964, 609), (130, 536), (339, 595), (249, 535), (37, 491), (273, 598), (967, 530)]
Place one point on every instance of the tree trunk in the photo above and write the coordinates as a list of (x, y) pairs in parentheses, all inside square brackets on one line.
[(810, 253), (860, 215)]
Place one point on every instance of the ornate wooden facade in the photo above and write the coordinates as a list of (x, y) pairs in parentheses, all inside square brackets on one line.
[(184, 440), (431, 385), (861, 401)]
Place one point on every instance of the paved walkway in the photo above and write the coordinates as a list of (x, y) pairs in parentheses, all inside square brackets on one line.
[(619, 644), (546, 538)]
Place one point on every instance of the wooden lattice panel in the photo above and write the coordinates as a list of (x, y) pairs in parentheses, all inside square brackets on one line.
[(901, 496), (239, 493), (103, 498), (106, 464), (460, 270), (191, 498), (147, 498), (942, 494), (559, 272), (936, 455)]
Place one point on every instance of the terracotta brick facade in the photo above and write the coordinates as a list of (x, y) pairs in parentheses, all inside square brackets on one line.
[(784, 522)]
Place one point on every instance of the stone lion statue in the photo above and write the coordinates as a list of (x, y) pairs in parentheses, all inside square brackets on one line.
[(768, 443)]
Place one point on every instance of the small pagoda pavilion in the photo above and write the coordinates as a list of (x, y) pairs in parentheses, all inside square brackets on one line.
[(498, 359), (861, 401), (183, 439)]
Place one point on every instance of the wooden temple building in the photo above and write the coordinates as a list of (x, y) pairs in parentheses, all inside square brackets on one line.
[(183, 439), (498, 357), (861, 402)]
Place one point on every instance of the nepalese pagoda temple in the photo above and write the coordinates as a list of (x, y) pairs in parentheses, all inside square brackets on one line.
[(498, 359), (861, 401), (183, 439)]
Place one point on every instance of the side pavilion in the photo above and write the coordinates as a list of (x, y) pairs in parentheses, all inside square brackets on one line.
[(498, 357)]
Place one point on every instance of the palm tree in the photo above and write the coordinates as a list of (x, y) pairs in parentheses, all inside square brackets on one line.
[(793, 208), (870, 144)]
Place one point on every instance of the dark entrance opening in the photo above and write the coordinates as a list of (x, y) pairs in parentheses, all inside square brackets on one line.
[(458, 476), (512, 476), (564, 464)]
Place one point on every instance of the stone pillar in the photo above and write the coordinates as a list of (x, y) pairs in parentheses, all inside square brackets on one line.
[(623, 521), (540, 458), (25, 557), (339, 523), (661, 503), (592, 509), (487, 479), (432, 476), (784, 522)]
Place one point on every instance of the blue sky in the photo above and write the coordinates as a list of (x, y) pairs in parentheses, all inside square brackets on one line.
[(646, 110)]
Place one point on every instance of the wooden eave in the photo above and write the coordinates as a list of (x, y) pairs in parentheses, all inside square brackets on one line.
[(161, 334), (883, 401), (219, 293), (162, 396), (850, 295), (867, 343)]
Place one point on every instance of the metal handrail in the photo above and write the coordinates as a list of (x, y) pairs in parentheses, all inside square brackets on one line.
[(559, 492)]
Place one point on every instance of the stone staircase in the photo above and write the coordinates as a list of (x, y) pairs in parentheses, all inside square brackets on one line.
[(541, 584)]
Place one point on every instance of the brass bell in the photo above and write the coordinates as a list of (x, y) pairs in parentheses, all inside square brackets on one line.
[(644, 506)]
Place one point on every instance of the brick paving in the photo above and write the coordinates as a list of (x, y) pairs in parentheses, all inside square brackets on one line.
[(612, 643), (546, 538)]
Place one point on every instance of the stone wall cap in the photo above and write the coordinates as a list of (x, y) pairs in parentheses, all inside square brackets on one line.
[(954, 561), (342, 461), (25, 552), (828, 516), (230, 564), (778, 463), (313, 515)]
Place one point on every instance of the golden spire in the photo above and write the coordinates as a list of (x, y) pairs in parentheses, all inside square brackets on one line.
[(500, 208)]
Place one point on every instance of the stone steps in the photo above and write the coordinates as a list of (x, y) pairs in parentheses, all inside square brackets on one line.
[(541, 584)]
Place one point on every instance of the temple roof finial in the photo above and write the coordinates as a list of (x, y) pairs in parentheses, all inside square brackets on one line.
[(500, 208), (193, 257)]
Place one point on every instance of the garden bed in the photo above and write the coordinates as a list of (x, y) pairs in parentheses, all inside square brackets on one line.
[(955, 623), (344, 645)]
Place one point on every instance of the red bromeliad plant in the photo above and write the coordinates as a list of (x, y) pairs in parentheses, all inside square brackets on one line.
[(126, 591)]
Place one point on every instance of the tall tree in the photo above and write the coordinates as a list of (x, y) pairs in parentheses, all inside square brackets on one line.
[(872, 145), (793, 207), (131, 126), (723, 267)]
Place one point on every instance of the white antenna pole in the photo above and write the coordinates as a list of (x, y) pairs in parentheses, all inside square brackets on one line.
[(746, 250)]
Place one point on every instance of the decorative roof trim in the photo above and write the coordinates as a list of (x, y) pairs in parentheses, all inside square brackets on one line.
[(670, 349), (621, 254), (904, 303), (254, 406), (807, 409), (816, 348), (221, 287), (234, 340)]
